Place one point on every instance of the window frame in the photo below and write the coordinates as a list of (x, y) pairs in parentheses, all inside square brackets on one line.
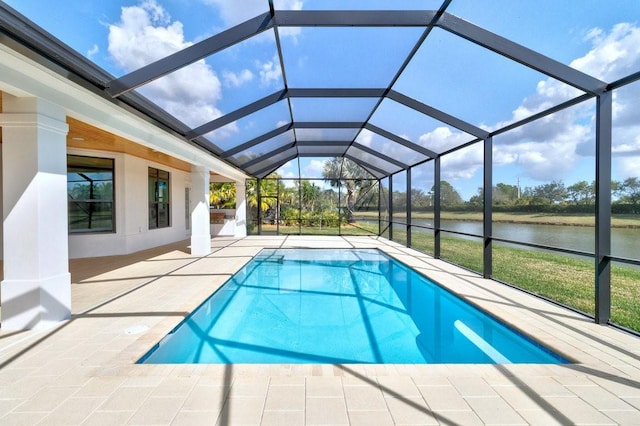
[(91, 202), (156, 177)]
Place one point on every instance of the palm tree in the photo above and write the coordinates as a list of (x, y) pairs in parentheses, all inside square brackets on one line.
[(267, 186), (309, 194), (348, 174), (222, 195)]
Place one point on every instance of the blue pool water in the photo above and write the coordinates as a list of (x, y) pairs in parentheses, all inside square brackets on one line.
[(337, 306)]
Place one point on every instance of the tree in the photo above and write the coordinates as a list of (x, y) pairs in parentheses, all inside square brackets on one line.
[(222, 195), (582, 192), (309, 195), (399, 200), (505, 194), (342, 172), (420, 199), (629, 190), (548, 193), (478, 199), (267, 186), (448, 195)]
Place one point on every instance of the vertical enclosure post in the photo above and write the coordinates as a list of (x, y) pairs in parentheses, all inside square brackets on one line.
[(603, 208), (391, 207), (340, 213), (379, 205), (259, 197), (436, 208), (408, 220), (487, 228), (300, 206)]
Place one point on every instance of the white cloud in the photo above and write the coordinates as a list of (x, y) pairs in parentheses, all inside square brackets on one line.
[(548, 148), (286, 171), (232, 79), (289, 4), (613, 55), (314, 168), (93, 51), (627, 167), (626, 149), (462, 164), (442, 139), (365, 137), (289, 175), (270, 71), (145, 34), (292, 32), (234, 12)]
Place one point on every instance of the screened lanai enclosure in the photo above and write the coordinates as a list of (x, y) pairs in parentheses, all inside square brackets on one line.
[(506, 143)]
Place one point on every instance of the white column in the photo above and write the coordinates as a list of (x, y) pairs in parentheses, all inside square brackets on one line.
[(200, 226), (36, 290), (241, 210)]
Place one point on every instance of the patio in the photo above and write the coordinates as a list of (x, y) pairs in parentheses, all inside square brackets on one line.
[(83, 371)]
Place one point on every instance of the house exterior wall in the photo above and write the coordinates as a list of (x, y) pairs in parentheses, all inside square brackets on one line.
[(132, 231)]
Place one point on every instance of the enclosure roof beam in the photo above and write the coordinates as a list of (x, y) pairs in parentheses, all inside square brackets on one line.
[(328, 124), (323, 143), (521, 54), (319, 154), (190, 55), (380, 155), (335, 93), (624, 81), (402, 141), (269, 154), (353, 18), (438, 115), (366, 165), (265, 171), (237, 114), (258, 140)]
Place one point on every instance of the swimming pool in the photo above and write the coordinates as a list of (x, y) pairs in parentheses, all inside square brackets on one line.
[(339, 307)]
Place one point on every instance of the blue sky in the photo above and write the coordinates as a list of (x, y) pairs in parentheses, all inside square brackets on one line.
[(448, 73)]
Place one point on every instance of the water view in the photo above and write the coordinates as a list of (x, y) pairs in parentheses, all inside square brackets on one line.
[(624, 241)]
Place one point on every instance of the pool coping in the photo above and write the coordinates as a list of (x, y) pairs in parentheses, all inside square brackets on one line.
[(562, 358)]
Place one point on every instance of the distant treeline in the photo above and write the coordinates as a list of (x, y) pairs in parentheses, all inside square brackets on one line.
[(616, 208), (553, 197)]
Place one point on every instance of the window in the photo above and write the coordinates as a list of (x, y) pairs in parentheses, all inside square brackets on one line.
[(187, 208), (158, 198), (90, 194)]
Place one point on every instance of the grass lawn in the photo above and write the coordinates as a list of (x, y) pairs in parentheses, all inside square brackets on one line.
[(565, 279)]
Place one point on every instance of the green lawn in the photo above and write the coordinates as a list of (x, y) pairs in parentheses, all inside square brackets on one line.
[(565, 279)]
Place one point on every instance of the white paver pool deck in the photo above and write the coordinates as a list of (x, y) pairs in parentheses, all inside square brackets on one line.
[(83, 371)]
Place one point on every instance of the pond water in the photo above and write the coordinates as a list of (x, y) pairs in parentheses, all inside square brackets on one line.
[(625, 242)]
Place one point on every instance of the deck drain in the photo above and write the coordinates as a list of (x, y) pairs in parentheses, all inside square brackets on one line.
[(136, 329)]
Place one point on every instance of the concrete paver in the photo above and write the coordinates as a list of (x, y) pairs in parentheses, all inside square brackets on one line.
[(84, 370)]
